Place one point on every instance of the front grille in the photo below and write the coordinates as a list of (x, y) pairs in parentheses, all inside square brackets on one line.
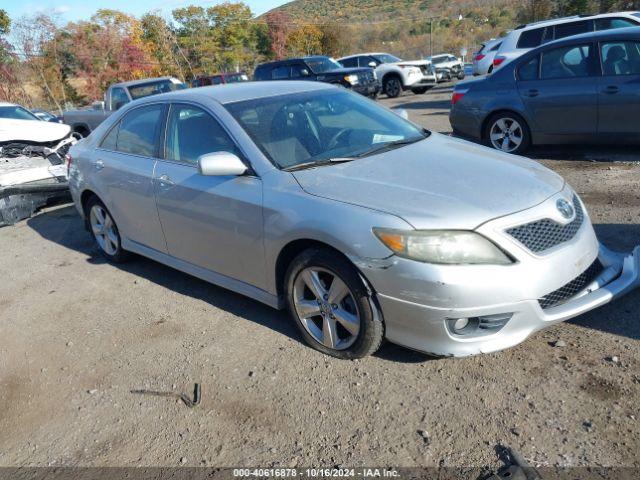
[(572, 288), (544, 234)]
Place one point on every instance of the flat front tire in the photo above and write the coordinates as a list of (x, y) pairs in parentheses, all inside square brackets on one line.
[(332, 306), (105, 231)]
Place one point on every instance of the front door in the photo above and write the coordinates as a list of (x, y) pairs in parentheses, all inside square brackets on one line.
[(563, 100), (213, 222), (619, 89)]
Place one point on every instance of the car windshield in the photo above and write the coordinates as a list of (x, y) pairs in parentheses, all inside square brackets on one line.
[(327, 125), (439, 60), (322, 64), (386, 58), (154, 88), (236, 77), (15, 112)]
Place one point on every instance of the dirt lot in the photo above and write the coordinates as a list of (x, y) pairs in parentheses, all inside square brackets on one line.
[(78, 334)]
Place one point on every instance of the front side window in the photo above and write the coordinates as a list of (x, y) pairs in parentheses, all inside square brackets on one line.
[(322, 64), (367, 62), (280, 73), (138, 131), (531, 38), (529, 70), (386, 58), (119, 98), (350, 62), (296, 71), (307, 127), (621, 58), (574, 28), (566, 62), (192, 132), (613, 23)]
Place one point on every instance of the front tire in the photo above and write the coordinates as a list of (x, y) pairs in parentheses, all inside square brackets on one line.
[(332, 306), (507, 132), (392, 86), (105, 231)]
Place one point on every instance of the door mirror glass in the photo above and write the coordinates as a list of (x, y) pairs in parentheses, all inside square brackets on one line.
[(220, 164), (373, 64), (304, 72)]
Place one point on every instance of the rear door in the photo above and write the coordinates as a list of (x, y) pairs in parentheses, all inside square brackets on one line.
[(123, 165), (213, 222), (619, 88), (562, 100)]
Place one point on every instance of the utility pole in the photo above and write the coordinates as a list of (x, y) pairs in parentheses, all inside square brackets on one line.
[(431, 38)]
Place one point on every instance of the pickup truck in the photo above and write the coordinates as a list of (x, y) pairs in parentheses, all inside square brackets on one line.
[(83, 121)]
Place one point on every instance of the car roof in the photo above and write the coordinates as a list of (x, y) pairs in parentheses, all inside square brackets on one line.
[(364, 54), (289, 60), (238, 92), (8, 104), (614, 34), (553, 21), (132, 83)]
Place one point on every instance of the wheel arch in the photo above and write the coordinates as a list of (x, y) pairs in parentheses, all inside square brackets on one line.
[(393, 73), (81, 128)]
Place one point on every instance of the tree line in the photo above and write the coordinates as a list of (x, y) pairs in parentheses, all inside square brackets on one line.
[(45, 62)]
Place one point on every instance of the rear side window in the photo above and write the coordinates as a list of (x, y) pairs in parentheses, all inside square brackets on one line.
[(261, 73), (216, 80), (574, 28), (566, 62), (138, 131), (621, 58), (280, 73), (529, 70), (531, 38), (496, 47), (110, 141), (192, 132), (612, 23)]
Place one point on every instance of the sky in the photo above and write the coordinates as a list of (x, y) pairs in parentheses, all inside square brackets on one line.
[(72, 10)]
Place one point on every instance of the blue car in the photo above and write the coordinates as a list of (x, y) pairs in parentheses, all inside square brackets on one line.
[(581, 89)]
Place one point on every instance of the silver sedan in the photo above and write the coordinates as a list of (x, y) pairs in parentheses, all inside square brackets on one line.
[(308, 197)]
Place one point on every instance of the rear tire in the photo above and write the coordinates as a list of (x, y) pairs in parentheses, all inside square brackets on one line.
[(507, 132), (105, 232), (332, 306), (392, 86)]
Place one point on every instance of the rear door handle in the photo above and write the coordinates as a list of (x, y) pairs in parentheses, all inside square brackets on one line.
[(98, 165), (165, 181), (533, 93), (611, 89)]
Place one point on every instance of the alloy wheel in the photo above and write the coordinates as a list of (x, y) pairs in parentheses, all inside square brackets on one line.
[(326, 308), (104, 230), (506, 134), (393, 87)]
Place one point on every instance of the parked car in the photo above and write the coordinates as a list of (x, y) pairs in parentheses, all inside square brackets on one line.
[(84, 121), (307, 196), (15, 112), (321, 69), (526, 37), (219, 79), (46, 116), (483, 59), (395, 74), (582, 89), (450, 62)]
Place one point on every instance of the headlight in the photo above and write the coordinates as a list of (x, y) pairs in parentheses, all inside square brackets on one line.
[(352, 79), (451, 247)]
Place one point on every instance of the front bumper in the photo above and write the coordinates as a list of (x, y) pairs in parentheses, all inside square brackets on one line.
[(423, 328), (368, 90), (419, 301)]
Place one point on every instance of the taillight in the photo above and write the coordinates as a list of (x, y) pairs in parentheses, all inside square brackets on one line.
[(457, 96), (479, 57), (498, 61)]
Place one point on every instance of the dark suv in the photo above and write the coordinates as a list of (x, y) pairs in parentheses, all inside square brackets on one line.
[(320, 69)]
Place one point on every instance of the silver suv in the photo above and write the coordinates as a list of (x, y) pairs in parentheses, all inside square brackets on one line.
[(362, 224)]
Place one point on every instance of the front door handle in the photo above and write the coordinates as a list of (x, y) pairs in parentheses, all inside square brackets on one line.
[(611, 89), (533, 93), (98, 165), (165, 181)]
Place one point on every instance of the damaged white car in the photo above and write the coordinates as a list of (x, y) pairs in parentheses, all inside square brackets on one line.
[(33, 167)]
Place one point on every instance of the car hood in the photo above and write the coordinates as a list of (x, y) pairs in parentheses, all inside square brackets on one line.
[(438, 183), (346, 71), (35, 131), (417, 63)]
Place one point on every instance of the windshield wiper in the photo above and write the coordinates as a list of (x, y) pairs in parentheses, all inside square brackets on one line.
[(383, 147), (318, 163)]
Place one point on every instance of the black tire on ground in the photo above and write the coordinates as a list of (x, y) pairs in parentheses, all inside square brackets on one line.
[(490, 69), (461, 76), (82, 131), (119, 255), (392, 86), (371, 332), (420, 90), (506, 115)]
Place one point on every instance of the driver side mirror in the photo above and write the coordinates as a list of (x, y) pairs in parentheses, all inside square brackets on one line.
[(221, 164), (373, 64), (304, 72)]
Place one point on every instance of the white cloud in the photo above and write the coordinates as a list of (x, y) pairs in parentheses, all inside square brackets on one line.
[(61, 9)]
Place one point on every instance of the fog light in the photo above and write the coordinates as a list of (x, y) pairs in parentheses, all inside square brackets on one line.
[(459, 324)]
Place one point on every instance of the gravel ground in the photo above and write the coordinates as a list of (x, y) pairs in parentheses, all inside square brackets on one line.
[(79, 334)]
